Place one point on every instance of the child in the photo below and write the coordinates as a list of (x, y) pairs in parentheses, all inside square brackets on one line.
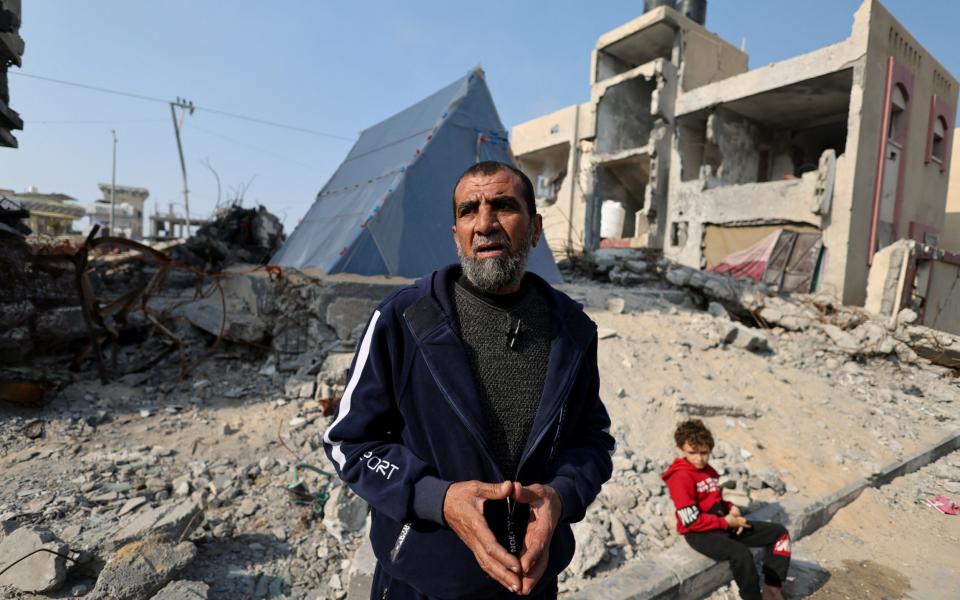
[(716, 528)]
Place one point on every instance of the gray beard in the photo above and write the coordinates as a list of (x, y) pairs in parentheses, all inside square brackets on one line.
[(489, 274)]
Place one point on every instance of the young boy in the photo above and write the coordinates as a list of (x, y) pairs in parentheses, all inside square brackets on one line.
[(716, 528)]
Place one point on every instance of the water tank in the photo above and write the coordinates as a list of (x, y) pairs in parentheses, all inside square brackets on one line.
[(612, 216), (649, 5), (695, 10)]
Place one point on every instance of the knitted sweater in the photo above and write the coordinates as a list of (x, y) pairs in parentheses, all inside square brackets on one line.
[(509, 379)]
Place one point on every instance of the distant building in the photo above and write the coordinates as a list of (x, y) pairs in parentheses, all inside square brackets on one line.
[(128, 210), (50, 214)]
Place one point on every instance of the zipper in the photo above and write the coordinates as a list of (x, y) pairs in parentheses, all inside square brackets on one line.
[(543, 432), (464, 420), (401, 538), (556, 438)]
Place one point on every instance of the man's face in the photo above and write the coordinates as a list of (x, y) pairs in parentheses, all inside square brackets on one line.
[(493, 232), (698, 456)]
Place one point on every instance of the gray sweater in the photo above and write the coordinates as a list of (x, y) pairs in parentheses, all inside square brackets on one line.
[(509, 379)]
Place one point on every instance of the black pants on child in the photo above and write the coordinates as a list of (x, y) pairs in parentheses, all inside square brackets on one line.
[(726, 545), (387, 588)]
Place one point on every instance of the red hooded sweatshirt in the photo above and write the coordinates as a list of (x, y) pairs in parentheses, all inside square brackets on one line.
[(697, 497)]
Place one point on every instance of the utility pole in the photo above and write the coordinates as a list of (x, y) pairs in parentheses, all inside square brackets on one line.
[(113, 186), (185, 106)]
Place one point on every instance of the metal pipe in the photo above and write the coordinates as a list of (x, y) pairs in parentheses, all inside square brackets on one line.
[(881, 163)]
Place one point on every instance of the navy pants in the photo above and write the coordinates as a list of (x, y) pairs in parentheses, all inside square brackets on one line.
[(726, 545), (387, 588)]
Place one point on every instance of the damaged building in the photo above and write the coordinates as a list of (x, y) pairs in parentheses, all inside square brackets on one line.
[(11, 51), (807, 167)]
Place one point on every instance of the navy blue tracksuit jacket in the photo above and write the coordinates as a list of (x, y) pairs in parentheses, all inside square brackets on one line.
[(409, 424)]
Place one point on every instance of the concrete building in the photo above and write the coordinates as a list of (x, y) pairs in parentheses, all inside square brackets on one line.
[(50, 214), (616, 146), (848, 144), (128, 212), (11, 49), (951, 224)]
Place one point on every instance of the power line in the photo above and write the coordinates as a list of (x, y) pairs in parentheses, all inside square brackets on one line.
[(206, 109)]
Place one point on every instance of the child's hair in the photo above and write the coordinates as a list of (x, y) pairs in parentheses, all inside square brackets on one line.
[(695, 433)]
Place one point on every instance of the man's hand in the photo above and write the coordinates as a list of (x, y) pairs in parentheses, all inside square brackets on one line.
[(545, 509), (737, 521), (463, 512)]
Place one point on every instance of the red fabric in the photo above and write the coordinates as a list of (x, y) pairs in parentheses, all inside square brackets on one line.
[(691, 487), (751, 262)]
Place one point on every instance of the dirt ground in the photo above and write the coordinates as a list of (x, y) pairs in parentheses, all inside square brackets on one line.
[(887, 545)]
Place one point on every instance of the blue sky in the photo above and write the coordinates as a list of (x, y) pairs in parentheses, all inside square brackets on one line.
[(335, 67)]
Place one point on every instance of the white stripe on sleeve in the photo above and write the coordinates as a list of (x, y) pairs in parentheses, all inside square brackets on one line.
[(345, 401)]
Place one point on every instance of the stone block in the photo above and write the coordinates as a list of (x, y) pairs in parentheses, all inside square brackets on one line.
[(43, 572), (183, 590), (345, 314), (172, 521), (360, 573), (141, 569)]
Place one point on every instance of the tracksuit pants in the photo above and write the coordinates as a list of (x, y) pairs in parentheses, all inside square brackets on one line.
[(387, 588), (727, 545)]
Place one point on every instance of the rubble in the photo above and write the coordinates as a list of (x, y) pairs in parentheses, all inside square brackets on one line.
[(43, 571), (237, 235), (140, 569), (183, 590)]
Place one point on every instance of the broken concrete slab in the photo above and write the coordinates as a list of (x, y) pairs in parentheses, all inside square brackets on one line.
[(360, 573), (208, 315), (345, 314), (43, 572), (183, 590), (140, 569), (344, 512), (172, 521)]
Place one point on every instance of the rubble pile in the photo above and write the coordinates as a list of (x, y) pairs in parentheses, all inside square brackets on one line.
[(211, 482), (237, 235)]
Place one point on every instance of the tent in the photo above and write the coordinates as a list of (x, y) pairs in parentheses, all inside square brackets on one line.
[(387, 209)]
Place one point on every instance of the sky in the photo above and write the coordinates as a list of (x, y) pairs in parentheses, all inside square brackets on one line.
[(332, 68)]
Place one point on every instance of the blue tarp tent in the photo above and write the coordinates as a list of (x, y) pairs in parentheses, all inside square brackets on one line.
[(387, 209)]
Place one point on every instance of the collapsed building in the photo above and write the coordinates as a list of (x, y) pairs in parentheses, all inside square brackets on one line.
[(809, 166), (11, 49)]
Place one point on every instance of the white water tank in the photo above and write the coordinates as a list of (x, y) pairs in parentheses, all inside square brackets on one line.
[(612, 217)]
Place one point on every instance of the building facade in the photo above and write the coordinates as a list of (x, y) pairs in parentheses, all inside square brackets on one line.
[(848, 145), (127, 212), (50, 214)]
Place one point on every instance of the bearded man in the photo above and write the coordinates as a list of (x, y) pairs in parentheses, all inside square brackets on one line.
[(472, 422)]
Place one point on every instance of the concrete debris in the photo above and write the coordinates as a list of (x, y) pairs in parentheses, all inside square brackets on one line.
[(170, 522), (851, 330), (41, 573), (140, 569), (183, 590), (344, 512), (343, 315), (590, 548), (236, 236), (360, 574)]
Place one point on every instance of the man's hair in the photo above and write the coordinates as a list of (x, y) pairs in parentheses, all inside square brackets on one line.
[(695, 433), (491, 167)]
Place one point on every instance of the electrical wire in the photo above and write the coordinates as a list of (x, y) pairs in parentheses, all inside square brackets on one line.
[(252, 147), (215, 111)]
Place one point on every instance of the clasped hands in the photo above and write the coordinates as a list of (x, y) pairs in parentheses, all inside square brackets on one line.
[(463, 512)]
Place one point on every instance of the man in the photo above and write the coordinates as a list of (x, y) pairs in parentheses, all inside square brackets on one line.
[(471, 422)]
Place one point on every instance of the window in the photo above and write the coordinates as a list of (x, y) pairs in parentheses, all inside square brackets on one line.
[(938, 145), (898, 104)]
